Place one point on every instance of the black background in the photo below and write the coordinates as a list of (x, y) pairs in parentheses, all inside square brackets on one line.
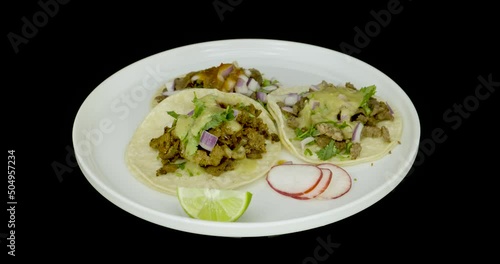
[(444, 209)]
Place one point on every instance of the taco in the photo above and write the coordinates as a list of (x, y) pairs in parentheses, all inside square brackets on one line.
[(338, 124), (203, 138), (226, 77)]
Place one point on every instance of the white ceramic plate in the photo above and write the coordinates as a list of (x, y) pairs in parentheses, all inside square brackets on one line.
[(109, 116)]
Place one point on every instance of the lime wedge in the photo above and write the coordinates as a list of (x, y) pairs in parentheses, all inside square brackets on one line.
[(214, 204)]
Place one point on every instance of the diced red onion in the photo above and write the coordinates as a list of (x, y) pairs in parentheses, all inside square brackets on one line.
[(243, 78), (241, 87), (306, 141), (287, 109), (261, 96), (195, 77), (390, 109), (314, 104), (190, 113), (253, 85), (169, 93), (170, 86), (208, 141), (314, 87), (236, 112), (291, 99), (343, 115), (356, 133), (225, 72)]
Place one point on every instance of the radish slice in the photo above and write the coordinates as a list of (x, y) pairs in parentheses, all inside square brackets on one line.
[(294, 179), (320, 187), (339, 185)]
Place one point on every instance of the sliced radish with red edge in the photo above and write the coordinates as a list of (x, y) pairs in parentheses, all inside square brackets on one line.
[(320, 187), (294, 179), (339, 185)]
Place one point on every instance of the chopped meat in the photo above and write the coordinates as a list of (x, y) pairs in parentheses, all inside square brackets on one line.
[(256, 141), (371, 131), (167, 145), (212, 158), (322, 141), (385, 134), (226, 165), (246, 139), (166, 168), (355, 150), (212, 77), (380, 110), (292, 122), (375, 132), (330, 131)]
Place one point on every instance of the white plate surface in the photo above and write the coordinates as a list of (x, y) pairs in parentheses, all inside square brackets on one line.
[(109, 116)]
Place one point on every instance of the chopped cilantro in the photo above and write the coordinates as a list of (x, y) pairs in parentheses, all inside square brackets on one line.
[(328, 151), (368, 92), (219, 118), (304, 133), (173, 114), (199, 106), (308, 152), (267, 82), (181, 165)]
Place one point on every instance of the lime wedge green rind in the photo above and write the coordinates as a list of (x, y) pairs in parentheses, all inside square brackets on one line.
[(214, 204)]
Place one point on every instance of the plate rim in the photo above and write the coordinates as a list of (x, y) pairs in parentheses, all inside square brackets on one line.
[(239, 229)]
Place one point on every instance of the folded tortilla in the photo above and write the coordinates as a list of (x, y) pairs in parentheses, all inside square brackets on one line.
[(372, 148), (143, 161)]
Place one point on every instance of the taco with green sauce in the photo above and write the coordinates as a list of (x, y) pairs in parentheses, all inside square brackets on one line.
[(204, 138), (340, 124)]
